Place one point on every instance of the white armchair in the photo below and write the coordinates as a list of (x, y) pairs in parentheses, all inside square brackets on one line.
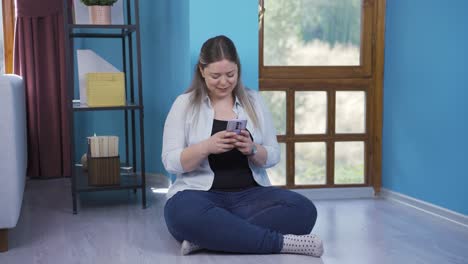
[(13, 153)]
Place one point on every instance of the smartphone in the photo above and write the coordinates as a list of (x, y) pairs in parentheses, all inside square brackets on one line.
[(236, 125)]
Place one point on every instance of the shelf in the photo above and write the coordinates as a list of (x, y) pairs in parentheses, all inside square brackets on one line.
[(127, 181), (100, 31), (128, 106), (129, 36), (85, 26)]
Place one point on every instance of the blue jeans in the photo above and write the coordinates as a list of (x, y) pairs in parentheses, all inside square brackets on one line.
[(248, 221)]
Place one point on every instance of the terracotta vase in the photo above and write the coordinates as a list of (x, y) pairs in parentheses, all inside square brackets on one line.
[(100, 15)]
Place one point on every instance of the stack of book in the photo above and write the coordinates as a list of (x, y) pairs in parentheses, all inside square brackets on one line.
[(103, 146)]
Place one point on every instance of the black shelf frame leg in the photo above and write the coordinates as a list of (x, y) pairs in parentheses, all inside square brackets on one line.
[(70, 92)]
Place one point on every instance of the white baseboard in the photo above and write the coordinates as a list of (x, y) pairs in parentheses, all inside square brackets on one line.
[(447, 214), (157, 179), (337, 193)]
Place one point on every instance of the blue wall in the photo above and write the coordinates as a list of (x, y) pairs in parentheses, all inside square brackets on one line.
[(172, 32), (166, 68), (425, 97), (236, 19)]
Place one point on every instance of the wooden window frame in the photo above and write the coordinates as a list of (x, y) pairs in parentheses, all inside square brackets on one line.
[(298, 72), (8, 8), (367, 77)]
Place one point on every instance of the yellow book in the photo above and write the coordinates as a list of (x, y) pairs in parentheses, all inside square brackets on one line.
[(105, 88)]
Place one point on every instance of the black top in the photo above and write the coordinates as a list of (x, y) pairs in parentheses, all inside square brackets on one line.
[(231, 169)]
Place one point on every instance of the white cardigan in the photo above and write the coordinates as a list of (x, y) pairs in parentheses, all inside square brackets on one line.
[(181, 131)]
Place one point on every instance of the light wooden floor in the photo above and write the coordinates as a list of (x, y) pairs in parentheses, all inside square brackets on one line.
[(112, 228)]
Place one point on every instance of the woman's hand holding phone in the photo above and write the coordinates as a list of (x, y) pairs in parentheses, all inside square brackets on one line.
[(235, 136), (221, 142), (236, 125), (244, 142)]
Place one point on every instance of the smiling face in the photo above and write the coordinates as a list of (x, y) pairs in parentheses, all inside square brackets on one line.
[(221, 78)]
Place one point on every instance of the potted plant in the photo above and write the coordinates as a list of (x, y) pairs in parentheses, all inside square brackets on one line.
[(99, 11)]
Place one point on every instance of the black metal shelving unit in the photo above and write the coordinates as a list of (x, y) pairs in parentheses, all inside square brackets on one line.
[(128, 33)]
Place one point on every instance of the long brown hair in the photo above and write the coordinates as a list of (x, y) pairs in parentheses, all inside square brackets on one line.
[(213, 50)]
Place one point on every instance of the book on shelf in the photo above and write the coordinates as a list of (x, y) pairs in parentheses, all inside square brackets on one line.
[(103, 146)]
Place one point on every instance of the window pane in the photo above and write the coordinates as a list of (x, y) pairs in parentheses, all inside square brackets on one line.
[(349, 162), (277, 174), (310, 113), (276, 102), (311, 163), (350, 112), (312, 32)]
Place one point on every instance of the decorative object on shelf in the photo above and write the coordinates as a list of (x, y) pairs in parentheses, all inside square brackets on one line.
[(103, 160), (84, 162), (103, 146), (99, 11), (90, 62), (81, 14), (105, 88), (104, 171)]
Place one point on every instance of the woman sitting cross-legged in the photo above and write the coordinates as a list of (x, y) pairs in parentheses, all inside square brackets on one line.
[(222, 199)]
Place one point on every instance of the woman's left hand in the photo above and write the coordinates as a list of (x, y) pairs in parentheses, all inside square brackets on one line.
[(244, 143)]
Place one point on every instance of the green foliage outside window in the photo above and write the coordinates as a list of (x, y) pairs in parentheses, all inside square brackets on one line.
[(291, 26)]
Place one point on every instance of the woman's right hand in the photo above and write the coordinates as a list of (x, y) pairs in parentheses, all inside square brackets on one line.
[(220, 142)]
